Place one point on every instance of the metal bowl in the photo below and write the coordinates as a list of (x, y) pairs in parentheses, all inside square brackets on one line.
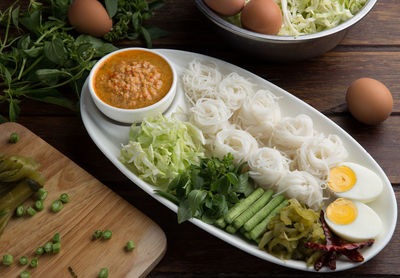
[(283, 48)]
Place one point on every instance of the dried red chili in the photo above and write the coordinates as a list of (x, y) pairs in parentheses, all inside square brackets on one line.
[(335, 247)]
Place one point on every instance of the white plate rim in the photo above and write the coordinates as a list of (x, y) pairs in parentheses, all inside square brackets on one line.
[(221, 234)]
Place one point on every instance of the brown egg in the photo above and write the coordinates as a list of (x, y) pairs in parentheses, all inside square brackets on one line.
[(369, 101), (89, 17), (225, 7), (262, 16)]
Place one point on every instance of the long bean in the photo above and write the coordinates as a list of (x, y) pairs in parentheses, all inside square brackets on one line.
[(237, 209)]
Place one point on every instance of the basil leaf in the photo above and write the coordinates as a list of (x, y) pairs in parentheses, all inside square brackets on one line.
[(50, 76), (55, 51), (136, 20), (233, 179), (146, 37), (52, 96), (155, 4), (13, 110), (111, 7), (184, 212), (196, 198), (15, 17), (156, 32)]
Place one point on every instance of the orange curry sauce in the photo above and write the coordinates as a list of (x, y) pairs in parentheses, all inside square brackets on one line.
[(133, 79)]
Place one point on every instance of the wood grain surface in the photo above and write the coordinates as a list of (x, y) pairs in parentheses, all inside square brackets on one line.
[(93, 206), (371, 49)]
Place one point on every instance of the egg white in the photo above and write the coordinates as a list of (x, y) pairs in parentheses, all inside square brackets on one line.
[(367, 225), (368, 185)]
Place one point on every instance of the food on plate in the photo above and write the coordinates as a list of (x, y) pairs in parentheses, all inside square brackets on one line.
[(369, 101), (262, 16), (296, 17), (133, 79), (89, 17), (353, 220), (288, 232), (225, 7), (161, 148), (356, 182), (251, 160)]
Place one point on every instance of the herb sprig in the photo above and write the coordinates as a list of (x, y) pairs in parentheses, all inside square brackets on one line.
[(207, 191)]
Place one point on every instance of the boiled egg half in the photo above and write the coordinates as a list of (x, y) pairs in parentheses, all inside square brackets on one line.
[(352, 220), (353, 181)]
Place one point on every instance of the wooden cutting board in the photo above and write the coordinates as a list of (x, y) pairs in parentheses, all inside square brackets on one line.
[(93, 206)]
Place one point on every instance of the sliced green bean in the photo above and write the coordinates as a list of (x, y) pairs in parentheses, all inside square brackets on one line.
[(220, 223), (8, 260), (23, 260), (230, 229), (14, 138), (48, 247), (56, 238), (56, 206), (237, 209), (107, 234), (260, 215), (39, 205), (42, 194), (39, 250), (25, 274), (96, 234), (20, 211), (103, 273), (34, 263), (130, 245), (56, 247), (64, 198), (31, 211), (253, 209)]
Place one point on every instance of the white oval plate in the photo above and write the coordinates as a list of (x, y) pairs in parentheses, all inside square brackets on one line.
[(108, 135)]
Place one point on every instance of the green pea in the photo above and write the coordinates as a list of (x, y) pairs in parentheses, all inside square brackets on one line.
[(56, 238), (20, 211), (64, 198), (25, 274), (96, 234), (130, 245), (39, 250), (56, 206), (14, 138), (42, 194), (56, 248), (48, 247), (107, 234), (31, 211), (103, 273), (8, 260), (39, 205), (34, 263), (23, 260)]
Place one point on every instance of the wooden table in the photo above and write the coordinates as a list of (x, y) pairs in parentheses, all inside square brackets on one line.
[(372, 48)]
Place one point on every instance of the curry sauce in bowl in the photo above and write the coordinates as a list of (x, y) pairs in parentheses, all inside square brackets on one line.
[(131, 84)]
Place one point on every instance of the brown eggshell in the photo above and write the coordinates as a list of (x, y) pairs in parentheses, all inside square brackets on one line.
[(89, 17), (225, 7), (369, 101), (262, 16)]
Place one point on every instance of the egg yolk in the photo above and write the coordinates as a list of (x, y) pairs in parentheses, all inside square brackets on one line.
[(341, 211), (341, 179)]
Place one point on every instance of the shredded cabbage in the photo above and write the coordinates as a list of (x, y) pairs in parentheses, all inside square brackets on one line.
[(161, 148), (302, 17)]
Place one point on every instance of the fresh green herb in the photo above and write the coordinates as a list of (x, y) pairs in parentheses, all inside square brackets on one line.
[(103, 273), (3, 212), (34, 263), (8, 260), (64, 198), (23, 260), (208, 191), (14, 138), (42, 194), (130, 245), (40, 53), (56, 206), (39, 250), (39, 205), (25, 274), (97, 234), (72, 272), (31, 211), (128, 17), (56, 238), (20, 211), (107, 234), (56, 247), (48, 247)]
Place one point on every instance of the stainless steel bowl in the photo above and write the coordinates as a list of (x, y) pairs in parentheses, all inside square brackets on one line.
[(282, 48)]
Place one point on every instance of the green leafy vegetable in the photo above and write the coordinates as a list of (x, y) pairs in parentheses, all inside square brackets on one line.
[(128, 20), (208, 190), (161, 148)]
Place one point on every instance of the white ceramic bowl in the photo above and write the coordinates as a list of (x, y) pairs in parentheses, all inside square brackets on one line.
[(132, 115)]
